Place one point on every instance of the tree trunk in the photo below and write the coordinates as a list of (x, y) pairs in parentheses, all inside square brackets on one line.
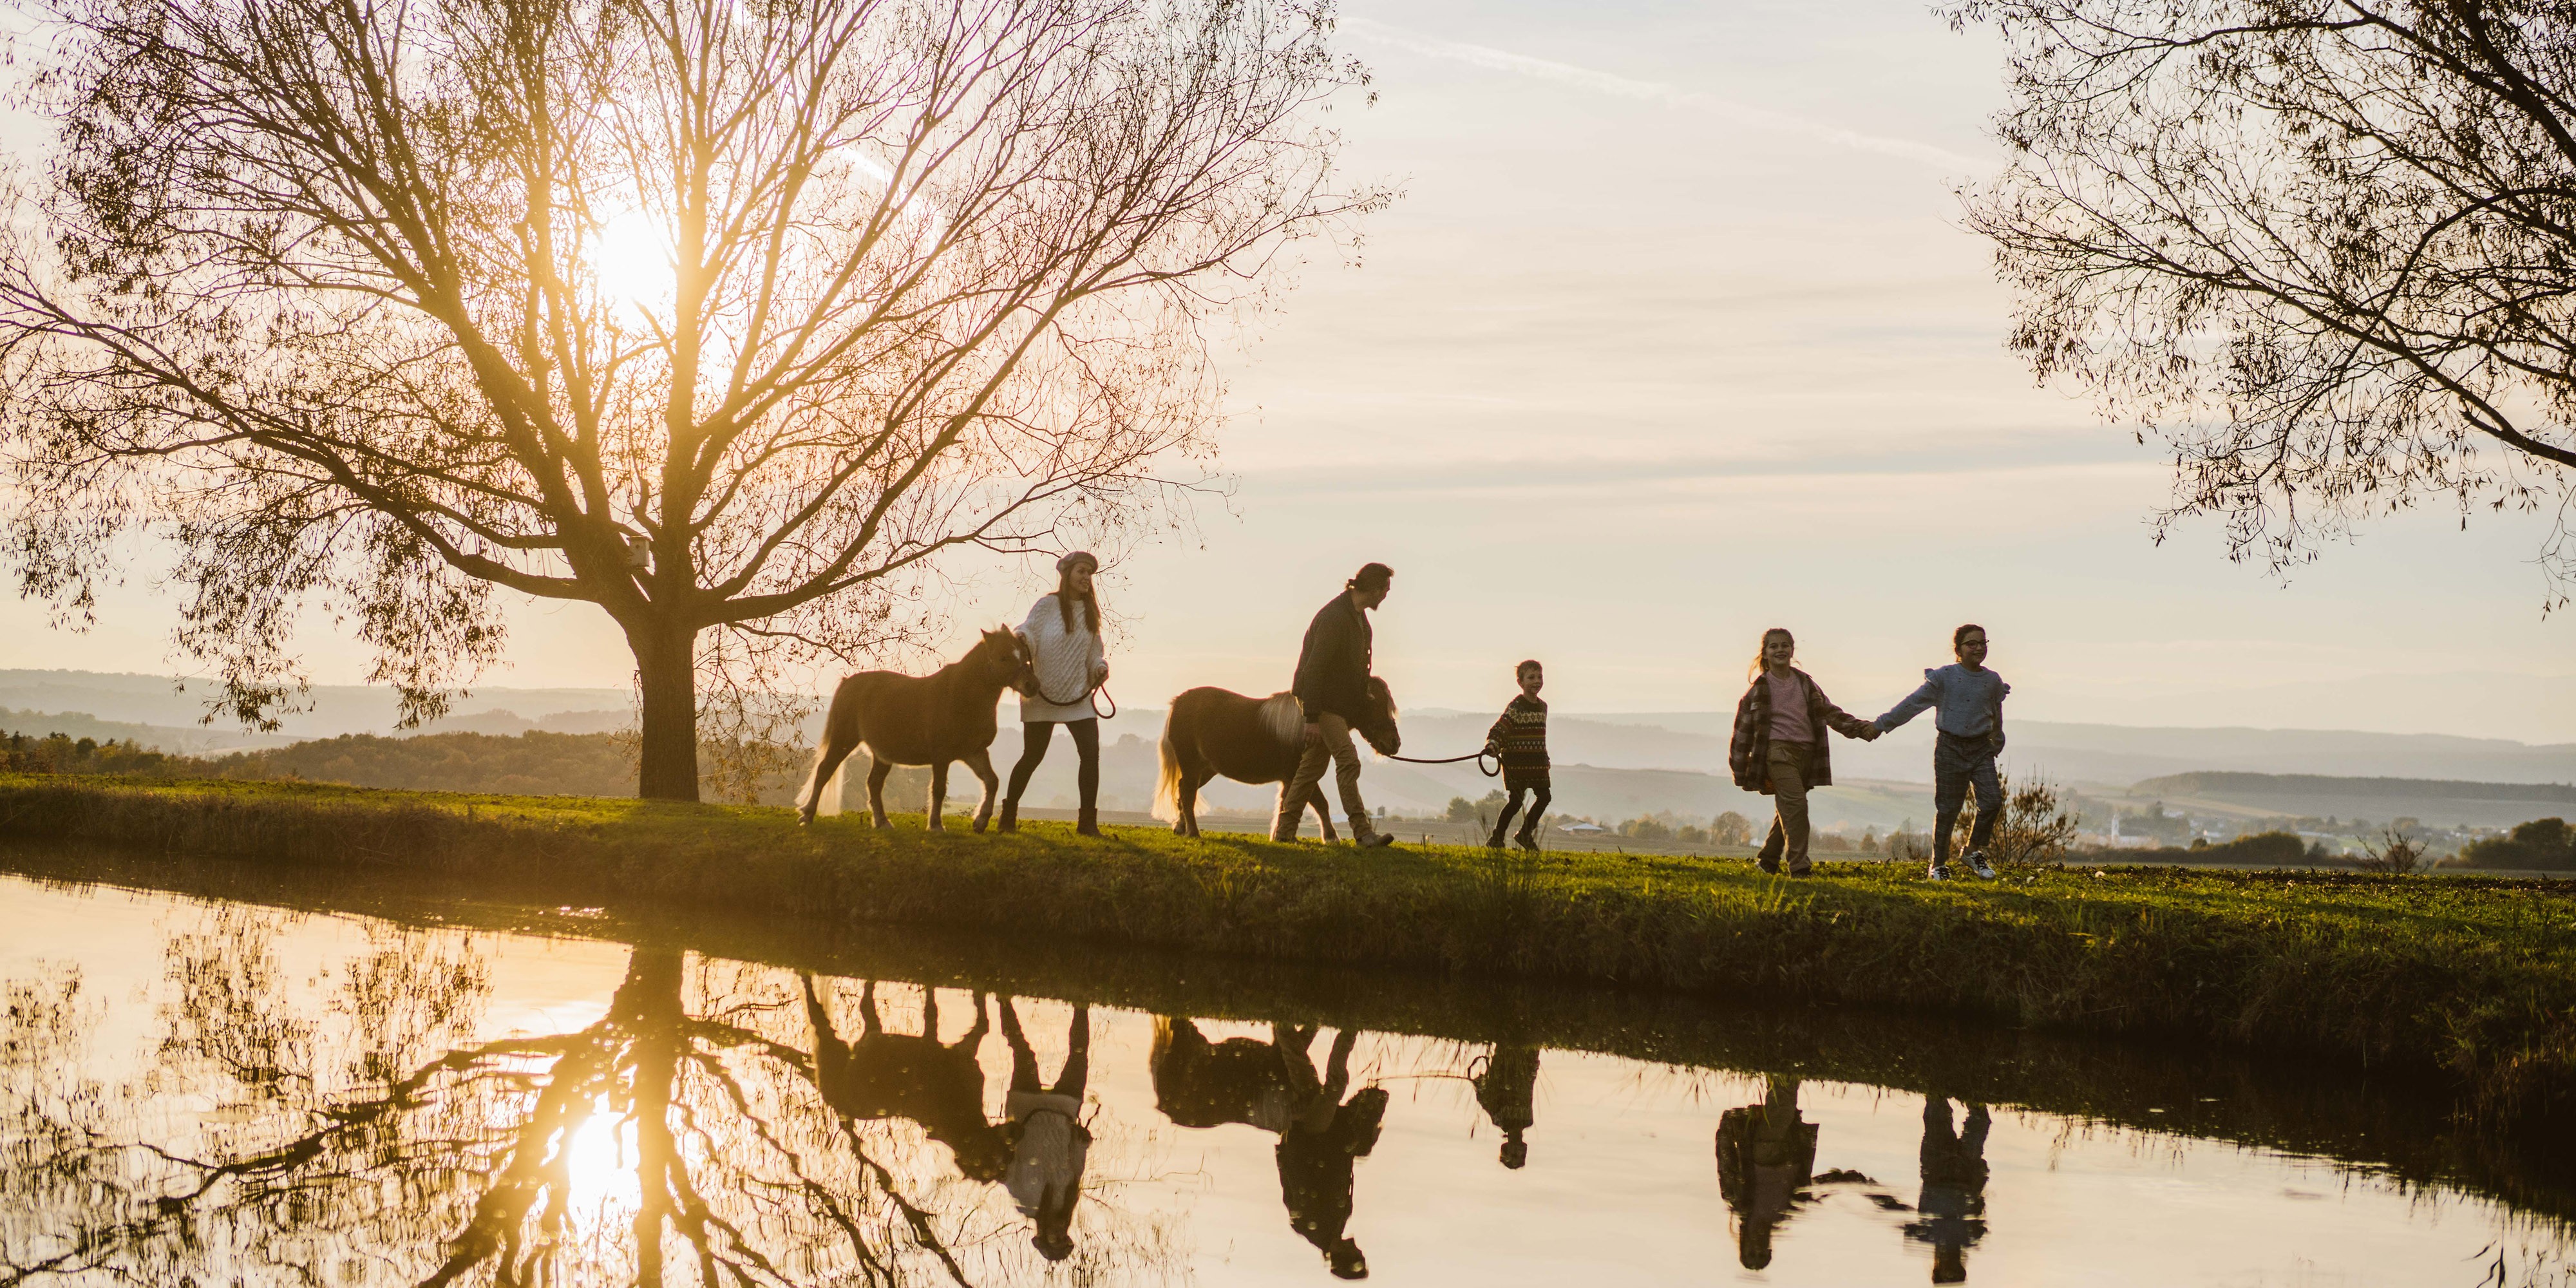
[(666, 668)]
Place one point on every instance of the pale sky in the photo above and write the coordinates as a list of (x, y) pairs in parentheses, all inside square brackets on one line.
[(1673, 337)]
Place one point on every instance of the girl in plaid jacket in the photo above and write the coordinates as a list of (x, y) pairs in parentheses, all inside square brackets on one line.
[(1779, 745)]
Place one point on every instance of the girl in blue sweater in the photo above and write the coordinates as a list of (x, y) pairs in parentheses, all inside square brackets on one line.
[(1969, 735)]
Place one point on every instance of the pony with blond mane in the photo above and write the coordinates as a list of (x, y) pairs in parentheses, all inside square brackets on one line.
[(1212, 732)]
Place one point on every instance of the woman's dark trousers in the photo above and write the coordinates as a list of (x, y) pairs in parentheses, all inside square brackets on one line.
[(1034, 736)]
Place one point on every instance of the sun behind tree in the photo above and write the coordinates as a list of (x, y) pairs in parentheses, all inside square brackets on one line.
[(728, 319)]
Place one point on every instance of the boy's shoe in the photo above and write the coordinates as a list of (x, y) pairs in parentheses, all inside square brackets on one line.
[(1526, 841), (1769, 865), (1803, 870), (1977, 864), (1372, 842), (1494, 842), (1938, 873)]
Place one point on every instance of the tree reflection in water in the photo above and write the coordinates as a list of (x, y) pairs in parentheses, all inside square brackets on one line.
[(362, 1135)]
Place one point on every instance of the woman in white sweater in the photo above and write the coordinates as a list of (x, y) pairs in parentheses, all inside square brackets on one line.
[(1068, 661)]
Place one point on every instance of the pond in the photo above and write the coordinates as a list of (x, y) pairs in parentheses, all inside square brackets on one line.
[(212, 1077)]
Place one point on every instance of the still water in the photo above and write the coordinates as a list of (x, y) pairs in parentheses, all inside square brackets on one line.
[(200, 1089)]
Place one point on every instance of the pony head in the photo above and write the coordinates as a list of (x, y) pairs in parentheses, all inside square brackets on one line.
[(998, 658), (1377, 719)]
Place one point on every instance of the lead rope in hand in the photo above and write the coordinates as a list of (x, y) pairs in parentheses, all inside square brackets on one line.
[(1479, 758)]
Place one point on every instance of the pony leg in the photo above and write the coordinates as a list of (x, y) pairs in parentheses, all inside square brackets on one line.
[(826, 768), (1188, 822), (1323, 813), (938, 794), (980, 763), (877, 771)]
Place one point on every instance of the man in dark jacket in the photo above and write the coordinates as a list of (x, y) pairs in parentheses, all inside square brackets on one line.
[(1332, 690)]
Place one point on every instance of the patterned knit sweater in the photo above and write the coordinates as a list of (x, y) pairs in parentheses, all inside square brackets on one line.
[(1519, 735)]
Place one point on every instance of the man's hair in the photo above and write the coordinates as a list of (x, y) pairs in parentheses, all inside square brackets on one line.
[(1527, 664), (1960, 636), (1371, 576)]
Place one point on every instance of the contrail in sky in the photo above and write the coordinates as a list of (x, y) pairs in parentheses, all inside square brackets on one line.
[(1657, 92)]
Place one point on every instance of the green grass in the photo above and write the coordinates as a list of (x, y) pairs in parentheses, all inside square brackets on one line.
[(2472, 977)]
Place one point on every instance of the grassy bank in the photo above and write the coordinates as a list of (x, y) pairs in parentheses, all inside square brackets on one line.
[(2473, 978)]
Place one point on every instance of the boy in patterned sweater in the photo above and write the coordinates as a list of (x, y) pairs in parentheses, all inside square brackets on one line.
[(1519, 740)]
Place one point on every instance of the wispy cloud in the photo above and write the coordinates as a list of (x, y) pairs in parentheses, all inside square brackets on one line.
[(1657, 92)]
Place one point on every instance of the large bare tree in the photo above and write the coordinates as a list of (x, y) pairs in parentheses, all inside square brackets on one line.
[(728, 318), (2325, 248)]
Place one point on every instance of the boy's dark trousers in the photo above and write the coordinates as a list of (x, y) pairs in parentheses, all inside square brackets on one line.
[(1957, 764), (1537, 807)]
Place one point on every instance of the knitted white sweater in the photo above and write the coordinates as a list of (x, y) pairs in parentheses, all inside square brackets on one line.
[(1069, 663)]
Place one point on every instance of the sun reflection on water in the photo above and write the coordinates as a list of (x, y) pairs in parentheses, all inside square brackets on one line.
[(601, 1190)]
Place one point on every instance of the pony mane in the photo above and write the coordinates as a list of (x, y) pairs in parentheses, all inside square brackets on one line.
[(1282, 717)]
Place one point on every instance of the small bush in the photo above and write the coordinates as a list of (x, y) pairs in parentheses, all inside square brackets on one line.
[(2393, 852)]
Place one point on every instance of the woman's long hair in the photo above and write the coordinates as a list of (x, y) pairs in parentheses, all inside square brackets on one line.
[(1754, 672), (1065, 594)]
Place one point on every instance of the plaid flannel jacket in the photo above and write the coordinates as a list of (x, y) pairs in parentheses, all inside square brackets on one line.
[(1748, 754)]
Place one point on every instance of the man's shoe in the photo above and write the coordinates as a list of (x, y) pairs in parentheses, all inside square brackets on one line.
[(1010, 819), (1494, 842), (1769, 865), (1526, 842), (1088, 824), (1938, 873), (1977, 864), (1373, 842), (1803, 870)]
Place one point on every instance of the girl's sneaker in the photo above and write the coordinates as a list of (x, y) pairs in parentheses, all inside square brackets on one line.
[(1938, 873), (1977, 864)]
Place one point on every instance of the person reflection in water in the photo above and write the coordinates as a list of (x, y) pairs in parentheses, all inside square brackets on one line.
[(1049, 1144), (1507, 1086), (1951, 1213), (1273, 1086), (1766, 1154)]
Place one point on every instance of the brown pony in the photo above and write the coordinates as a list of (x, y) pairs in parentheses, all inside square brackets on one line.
[(1250, 740), (920, 720)]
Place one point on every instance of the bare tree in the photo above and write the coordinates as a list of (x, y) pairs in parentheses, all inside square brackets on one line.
[(2325, 249), (729, 319)]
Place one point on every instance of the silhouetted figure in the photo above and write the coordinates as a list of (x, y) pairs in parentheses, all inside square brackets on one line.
[(1951, 1213), (1273, 1086), (1049, 1144), (1508, 1089), (1766, 1154), (901, 1075)]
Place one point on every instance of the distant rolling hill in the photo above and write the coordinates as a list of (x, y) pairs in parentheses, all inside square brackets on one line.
[(2439, 802)]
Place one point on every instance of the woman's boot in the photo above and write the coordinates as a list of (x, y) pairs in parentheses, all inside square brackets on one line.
[(1010, 820)]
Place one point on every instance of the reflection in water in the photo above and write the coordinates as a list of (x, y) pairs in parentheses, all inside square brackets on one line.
[(1049, 1143), (1273, 1086), (1766, 1155), (1506, 1083), (1952, 1208), (277, 1112)]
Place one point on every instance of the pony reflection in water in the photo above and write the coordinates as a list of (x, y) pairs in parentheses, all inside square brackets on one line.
[(1272, 1085), (1215, 732)]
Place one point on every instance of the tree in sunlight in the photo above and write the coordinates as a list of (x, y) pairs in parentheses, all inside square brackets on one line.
[(2324, 249), (730, 320)]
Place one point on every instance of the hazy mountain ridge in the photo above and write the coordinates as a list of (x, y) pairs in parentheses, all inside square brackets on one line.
[(1608, 765)]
